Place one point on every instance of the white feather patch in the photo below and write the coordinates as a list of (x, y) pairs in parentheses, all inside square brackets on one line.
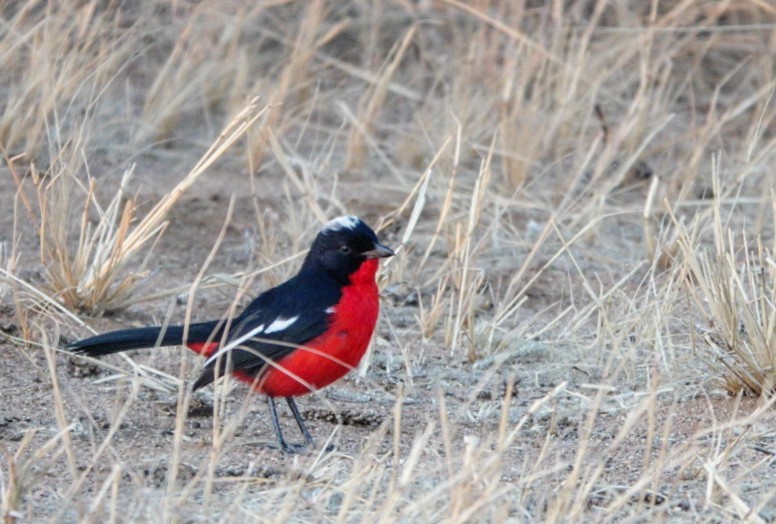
[(252, 333), (346, 222), (331, 310), (280, 324)]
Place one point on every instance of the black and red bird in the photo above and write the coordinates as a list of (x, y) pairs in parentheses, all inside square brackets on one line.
[(292, 339)]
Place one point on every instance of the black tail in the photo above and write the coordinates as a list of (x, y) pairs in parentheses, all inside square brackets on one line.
[(126, 339)]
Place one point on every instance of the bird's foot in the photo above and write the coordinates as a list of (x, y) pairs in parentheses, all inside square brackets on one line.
[(295, 449), (307, 447)]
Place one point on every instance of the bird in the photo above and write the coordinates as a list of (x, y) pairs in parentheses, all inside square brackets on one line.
[(291, 340)]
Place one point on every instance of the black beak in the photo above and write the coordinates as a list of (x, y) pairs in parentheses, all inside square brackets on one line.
[(379, 251)]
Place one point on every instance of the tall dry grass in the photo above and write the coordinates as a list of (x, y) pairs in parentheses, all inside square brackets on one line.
[(574, 257)]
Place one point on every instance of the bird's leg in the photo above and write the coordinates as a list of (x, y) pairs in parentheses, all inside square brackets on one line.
[(308, 439), (276, 424), (285, 446)]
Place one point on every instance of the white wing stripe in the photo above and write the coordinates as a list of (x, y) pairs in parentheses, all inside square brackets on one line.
[(256, 331), (280, 324)]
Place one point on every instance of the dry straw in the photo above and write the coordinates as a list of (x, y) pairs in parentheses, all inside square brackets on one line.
[(93, 274)]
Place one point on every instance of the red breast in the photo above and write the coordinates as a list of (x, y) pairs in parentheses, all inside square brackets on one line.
[(331, 355)]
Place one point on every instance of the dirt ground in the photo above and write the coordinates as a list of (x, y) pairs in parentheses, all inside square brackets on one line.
[(357, 413)]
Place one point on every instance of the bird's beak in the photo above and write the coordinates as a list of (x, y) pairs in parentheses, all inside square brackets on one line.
[(379, 251)]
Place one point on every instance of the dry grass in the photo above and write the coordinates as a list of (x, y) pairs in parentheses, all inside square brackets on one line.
[(90, 274), (583, 196), (734, 289)]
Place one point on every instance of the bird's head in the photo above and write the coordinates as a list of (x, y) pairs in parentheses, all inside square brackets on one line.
[(343, 245)]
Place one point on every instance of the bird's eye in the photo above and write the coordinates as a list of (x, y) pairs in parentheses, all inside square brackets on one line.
[(345, 249)]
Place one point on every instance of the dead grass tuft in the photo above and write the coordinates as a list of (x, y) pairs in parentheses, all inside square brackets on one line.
[(91, 274), (734, 288)]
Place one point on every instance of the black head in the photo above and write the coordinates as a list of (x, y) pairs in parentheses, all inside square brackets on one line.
[(343, 245)]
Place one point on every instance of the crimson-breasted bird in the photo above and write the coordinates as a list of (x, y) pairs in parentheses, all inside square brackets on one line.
[(292, 339)]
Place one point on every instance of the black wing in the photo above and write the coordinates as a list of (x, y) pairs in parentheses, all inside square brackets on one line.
[(291, 314)]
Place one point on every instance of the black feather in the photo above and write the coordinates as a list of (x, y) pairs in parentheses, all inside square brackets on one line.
[(126, 339)]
